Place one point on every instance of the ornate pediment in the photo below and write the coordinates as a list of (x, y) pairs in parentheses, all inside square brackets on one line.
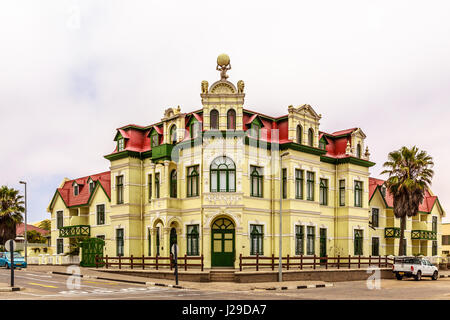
[(222, 87)]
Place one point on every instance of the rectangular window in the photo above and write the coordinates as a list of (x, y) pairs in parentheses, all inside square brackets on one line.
[(358, 194), (59, 246), (299, 184), (100, 214), (342, 193), (310, 186), (375, 217), (119, 242), (59, 219), (284, 183), (434, 248), (445, 240), (256, 181), (192, 181), (192, 240), (256, 239), (311, 237), (358, 242), (375, 246), (149, 187), (157, 185), (323, 196), (76, 190), (299, 240), (434, 224), (119, 188)]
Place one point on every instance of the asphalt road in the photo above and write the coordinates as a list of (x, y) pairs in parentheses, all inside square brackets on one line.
[(39, 285)]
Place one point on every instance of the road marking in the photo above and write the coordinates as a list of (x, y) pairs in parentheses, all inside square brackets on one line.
[(41, 285)]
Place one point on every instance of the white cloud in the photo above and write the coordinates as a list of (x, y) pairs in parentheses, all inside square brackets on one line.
[(65, 87)]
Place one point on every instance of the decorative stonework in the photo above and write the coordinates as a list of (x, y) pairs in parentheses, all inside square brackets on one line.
[(223, 199)]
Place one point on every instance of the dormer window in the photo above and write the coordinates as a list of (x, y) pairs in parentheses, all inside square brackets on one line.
[(383, 190), (76, 189), (194, 129), (255, 130), (91, 186), (155, 140), (322, 144), (121, 144)]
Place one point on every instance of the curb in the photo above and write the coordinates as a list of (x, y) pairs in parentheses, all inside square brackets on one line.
[(10, 289), (309, 286), (444, 276), (118, 280)]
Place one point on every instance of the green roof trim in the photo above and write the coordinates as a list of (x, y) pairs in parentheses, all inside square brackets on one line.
[(351, 160), (302, 148)]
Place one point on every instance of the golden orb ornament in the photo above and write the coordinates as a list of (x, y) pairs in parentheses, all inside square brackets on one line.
[(223, 60)]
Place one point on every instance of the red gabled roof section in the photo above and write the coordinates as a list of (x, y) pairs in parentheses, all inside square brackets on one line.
[(426, 206), (20, 229), (337, 142), (84, 195)]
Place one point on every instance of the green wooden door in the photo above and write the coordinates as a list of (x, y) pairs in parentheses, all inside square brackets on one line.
[(222, 243), (323, 243)]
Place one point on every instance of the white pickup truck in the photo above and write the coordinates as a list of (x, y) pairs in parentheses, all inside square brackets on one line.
[(414, 267)]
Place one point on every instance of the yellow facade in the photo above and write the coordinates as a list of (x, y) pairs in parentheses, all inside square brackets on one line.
[(143, 218)]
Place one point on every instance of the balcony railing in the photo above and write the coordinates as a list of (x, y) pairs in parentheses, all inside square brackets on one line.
[(163, 152), (423, 235), (75, 231), (392, 232)]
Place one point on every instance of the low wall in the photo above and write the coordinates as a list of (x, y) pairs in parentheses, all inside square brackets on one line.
[(334, 275), (163, 274)]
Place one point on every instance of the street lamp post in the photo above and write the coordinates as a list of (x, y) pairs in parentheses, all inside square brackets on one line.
[(25, 230), (280, 251)]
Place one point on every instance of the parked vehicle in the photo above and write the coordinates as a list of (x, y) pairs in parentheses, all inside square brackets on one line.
[(5, 260), (414, 267)]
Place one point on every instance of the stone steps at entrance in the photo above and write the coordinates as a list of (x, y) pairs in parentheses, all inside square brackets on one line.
[(221, 275)]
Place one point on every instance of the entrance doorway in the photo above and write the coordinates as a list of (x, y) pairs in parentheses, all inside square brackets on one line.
[(173, 237), (323, 244), (222, 243)]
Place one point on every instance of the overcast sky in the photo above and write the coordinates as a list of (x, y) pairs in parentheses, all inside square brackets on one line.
[(71, 72)]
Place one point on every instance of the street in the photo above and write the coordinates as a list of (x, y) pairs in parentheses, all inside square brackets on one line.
[(40, 285)]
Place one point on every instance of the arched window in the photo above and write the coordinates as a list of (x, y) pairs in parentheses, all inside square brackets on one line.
[(231, 119), (173, 134), (299, 134), (358, 151), (311, 137), (223, 175), (173, 184), (214, 119)]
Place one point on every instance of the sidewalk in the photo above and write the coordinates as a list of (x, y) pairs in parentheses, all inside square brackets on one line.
[(214, 286), (4, 287)]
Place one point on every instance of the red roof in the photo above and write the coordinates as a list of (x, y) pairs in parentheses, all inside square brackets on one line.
[(425, 206), (137, 139), (82, 198), (20, 229)]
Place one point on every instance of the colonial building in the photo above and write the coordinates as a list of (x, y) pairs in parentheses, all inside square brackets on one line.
[(210, 181)]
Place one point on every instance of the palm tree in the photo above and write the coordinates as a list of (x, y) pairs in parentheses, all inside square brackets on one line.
[(409, 175), (11, 209), (45, 224)]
